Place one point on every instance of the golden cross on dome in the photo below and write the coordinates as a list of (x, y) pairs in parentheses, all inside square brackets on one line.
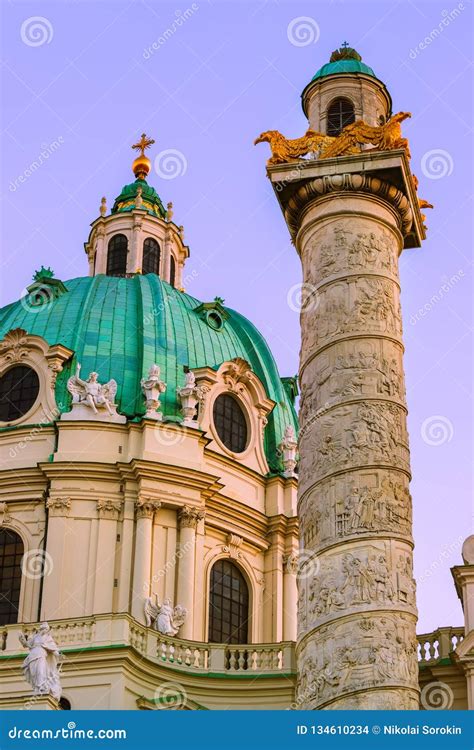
[(143, 143)]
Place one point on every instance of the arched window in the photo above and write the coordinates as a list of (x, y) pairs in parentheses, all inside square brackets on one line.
[(151, 256), (117, 256), (172, 271), (230, 423), (64, 704), (11, 554), (228, 604), (340, 114), (19, 388)]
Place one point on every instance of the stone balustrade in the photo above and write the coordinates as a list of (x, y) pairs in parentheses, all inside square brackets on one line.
[(194, 656), (438, 645), (191, 656)]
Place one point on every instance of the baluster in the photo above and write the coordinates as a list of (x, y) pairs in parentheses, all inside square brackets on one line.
[(162, 645), (171, 653), (187, 656)]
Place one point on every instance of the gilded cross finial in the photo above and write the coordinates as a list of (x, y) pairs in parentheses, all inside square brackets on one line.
[(143, 144)]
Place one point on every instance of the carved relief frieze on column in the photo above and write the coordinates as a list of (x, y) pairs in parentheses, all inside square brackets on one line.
[(356, 596)]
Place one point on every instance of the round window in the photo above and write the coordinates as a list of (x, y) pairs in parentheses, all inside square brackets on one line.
[(230, 423), (214, 320), (19, 388)]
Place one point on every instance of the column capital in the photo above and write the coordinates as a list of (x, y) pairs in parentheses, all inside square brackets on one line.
[(146, 507), (383, 175), (290, 563), (107, 508), (189, 517), (58, 506)]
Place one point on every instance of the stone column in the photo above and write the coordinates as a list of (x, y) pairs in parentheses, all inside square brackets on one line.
[(100, 259), (108, 511), (356, 643), (290, 596), (188, 519), (135, 252), (145, 509), (55, 602)]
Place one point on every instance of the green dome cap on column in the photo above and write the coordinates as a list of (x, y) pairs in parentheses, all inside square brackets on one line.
[(344, 60)]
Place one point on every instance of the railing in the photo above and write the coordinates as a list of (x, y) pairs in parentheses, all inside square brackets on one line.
[(251, 658), (433, 647), (192, 656)]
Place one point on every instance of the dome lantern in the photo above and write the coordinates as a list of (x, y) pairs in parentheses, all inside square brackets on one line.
[(343, 90), (138, 236)]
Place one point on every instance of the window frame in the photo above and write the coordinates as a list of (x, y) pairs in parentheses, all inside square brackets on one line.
[(123, 249), (18, 563), (157, 249), (242, 603), (339, 100), (34, 403), (248, 435)]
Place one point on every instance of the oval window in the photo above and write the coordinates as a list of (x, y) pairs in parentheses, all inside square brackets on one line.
[(230, 423), (19, 388)]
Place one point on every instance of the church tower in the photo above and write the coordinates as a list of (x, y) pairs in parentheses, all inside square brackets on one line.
[(351, 209)]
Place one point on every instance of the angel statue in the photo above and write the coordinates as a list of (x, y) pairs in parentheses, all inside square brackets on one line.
[(91, 393), (163, 617), (40, 667)]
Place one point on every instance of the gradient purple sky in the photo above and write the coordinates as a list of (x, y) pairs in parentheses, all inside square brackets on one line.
[(227, 73)]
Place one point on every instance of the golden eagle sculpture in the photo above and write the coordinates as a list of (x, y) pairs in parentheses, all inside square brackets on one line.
[(285, 149), (386, 137)]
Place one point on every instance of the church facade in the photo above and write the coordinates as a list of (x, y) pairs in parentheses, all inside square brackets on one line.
[(186, 547)]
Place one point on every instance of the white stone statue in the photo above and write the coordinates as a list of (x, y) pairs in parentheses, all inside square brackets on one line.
[(287, 450), (91, 399), (164, 617), (152, 388), (189, 396), (40, 667)]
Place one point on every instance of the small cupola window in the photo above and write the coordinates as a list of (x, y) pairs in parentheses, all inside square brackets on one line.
[(340, 113), (151, 256), (117, 256)]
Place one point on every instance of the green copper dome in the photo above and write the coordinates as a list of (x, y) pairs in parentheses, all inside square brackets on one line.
[(151, 201), (344, 60), (119, 327), (343, 66)]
